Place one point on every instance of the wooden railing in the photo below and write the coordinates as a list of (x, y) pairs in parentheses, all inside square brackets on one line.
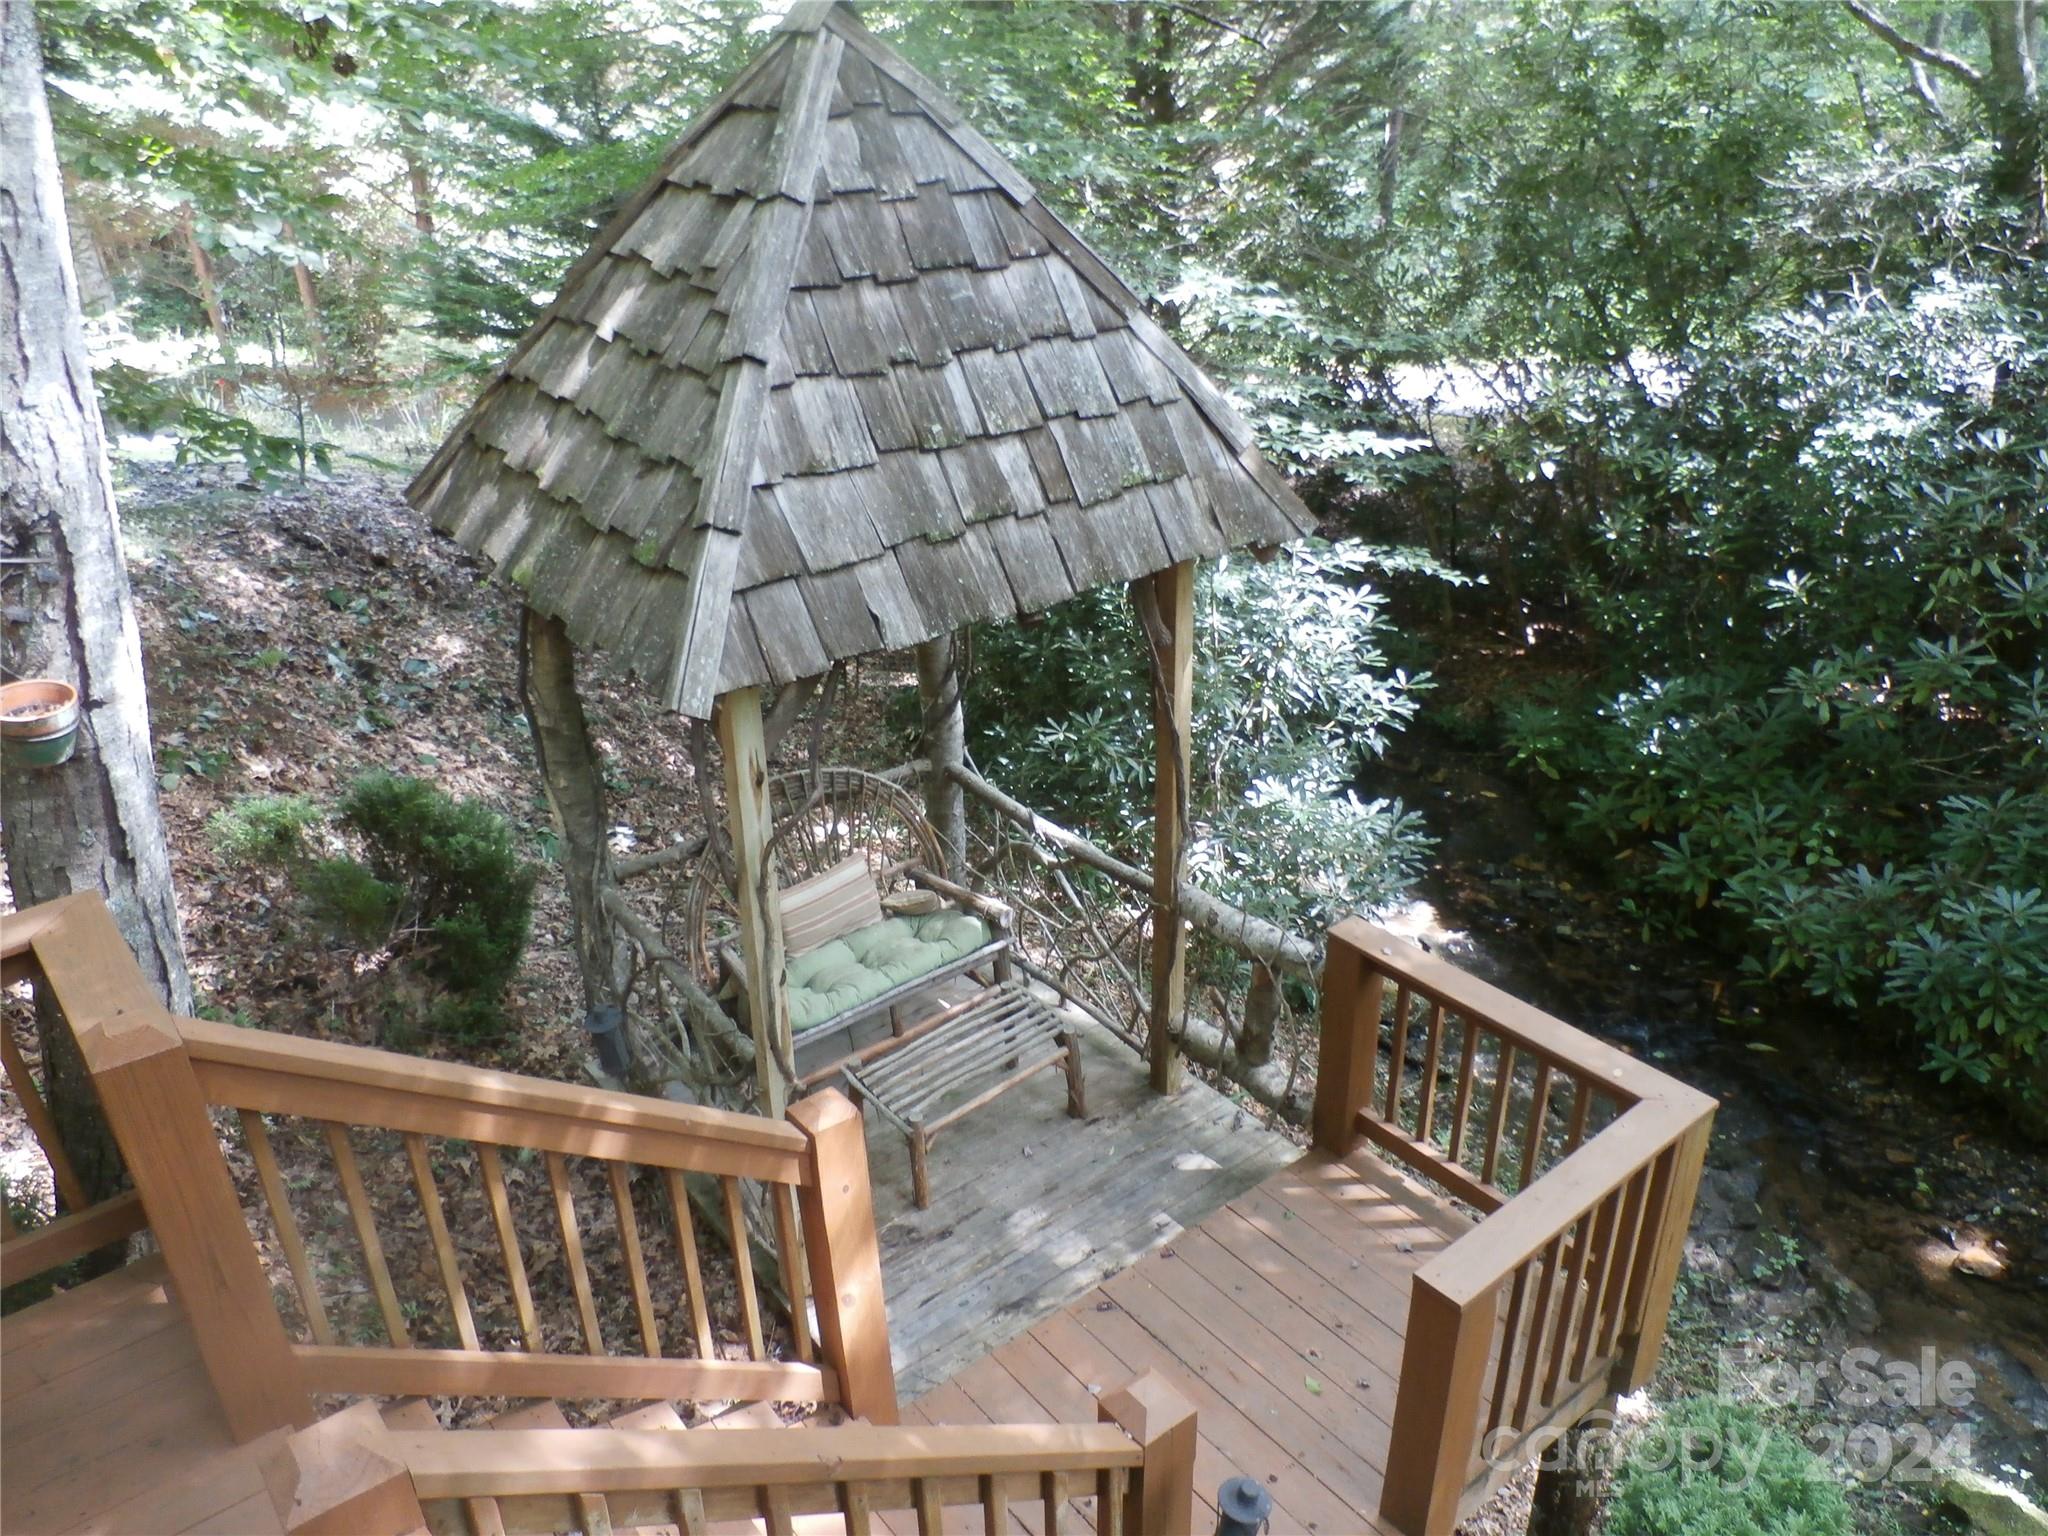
[(350, 1474), (611, 1163), (79, 1224), (1582, 1162)]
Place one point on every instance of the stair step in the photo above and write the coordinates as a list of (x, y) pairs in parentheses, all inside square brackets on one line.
[(545, 1414), (413, 1415), (652, 1416)]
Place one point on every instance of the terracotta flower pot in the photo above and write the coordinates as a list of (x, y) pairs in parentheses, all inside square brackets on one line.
[(38, 722)]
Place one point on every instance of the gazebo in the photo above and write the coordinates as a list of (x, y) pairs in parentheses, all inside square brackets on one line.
[(836, 382)]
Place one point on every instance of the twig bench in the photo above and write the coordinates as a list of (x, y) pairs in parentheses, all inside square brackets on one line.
[(982, 1047)]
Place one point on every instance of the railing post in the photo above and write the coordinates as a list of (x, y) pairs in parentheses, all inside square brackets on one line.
[(1350, 1041), (1655, 1274), (151, 1098), (845, 1255), (333, 1480), (1436, 1409), (1162, 1496)]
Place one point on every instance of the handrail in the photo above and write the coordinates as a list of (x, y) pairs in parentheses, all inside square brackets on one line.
[(1584, 1163), (485, 1136), (351, 1473), (283, 1074)]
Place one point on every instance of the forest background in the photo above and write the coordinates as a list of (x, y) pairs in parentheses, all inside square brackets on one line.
[(1670, 377)]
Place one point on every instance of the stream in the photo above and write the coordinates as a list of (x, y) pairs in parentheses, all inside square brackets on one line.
[(1857, 1219)]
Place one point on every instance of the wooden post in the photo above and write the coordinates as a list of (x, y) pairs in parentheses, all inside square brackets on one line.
[(944, 746), (1167, 614), (1655, 1276), (1436, 1408), (845, 1255), (131, 1047), (1151, 1412), (334, 1479), (1350, 1030), (746, 809)]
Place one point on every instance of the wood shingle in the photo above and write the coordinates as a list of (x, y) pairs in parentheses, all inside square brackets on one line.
[(836, 380)]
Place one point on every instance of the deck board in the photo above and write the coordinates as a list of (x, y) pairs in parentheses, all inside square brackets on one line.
[(109, 1425), (1031, 1209), (1280, 1315)]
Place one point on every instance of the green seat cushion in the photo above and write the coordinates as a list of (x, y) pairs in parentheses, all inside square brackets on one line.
[(860, 966)]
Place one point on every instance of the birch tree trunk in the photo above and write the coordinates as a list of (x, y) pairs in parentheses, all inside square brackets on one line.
[(92, 824)]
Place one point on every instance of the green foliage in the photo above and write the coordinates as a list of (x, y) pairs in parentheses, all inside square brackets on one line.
[(265, 830), (136, 401), (433, 880), (1713, 1468), (1291, 688), (462, 888), (1819, 576)]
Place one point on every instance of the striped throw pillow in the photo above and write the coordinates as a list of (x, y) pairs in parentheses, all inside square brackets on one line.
[(818, 910)]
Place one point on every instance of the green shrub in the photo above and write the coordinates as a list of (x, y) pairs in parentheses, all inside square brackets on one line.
[(1714, 1468), (267, 830), (1293, 692), (461, 887), (351, 901)]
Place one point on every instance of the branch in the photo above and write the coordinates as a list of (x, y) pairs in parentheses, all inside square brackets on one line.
[(1907, 48)]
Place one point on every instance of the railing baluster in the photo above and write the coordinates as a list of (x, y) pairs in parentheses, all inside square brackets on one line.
[(508, 1242), (1503, 1374), (693, 1270), (1468, 1065), (1110, 1486), (1614, 1286), (620, 1178), (1425, 1115), (278, 1198), (1539, 1325), (69, 1187), (743, 1265), (1539, 1110), (789, 1254), (1497, 1117), (1397, 1062), (995, 1509), (1582, 1107), (1568, 1305), (931, 1517), (437, 1233), (775, 1512), (688, 1504), (1606, 1215), (572, 1251), (358, 1199), (1052, 1492), (853, 1506)]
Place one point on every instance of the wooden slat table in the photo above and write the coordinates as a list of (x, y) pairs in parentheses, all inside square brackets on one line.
[(982, 1048)]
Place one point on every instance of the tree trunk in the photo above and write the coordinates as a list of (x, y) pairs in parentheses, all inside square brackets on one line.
[(574, 777), (93, 823), (422, 191), (209, 298), (1566, 1499), (309, 305), (2011, 93), (945, 746)]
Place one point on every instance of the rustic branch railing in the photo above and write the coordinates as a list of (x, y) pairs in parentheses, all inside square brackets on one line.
[(350, 1474), (1583, 1162), (592, 1179)]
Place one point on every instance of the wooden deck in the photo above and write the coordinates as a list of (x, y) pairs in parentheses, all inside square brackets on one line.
[(110, 1425), (1031, 1210), (1281, 1315)]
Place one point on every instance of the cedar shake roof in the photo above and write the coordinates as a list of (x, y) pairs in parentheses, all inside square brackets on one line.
[(835, 382)]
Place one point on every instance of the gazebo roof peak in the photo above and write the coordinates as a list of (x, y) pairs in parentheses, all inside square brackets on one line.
[(836, 381)]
